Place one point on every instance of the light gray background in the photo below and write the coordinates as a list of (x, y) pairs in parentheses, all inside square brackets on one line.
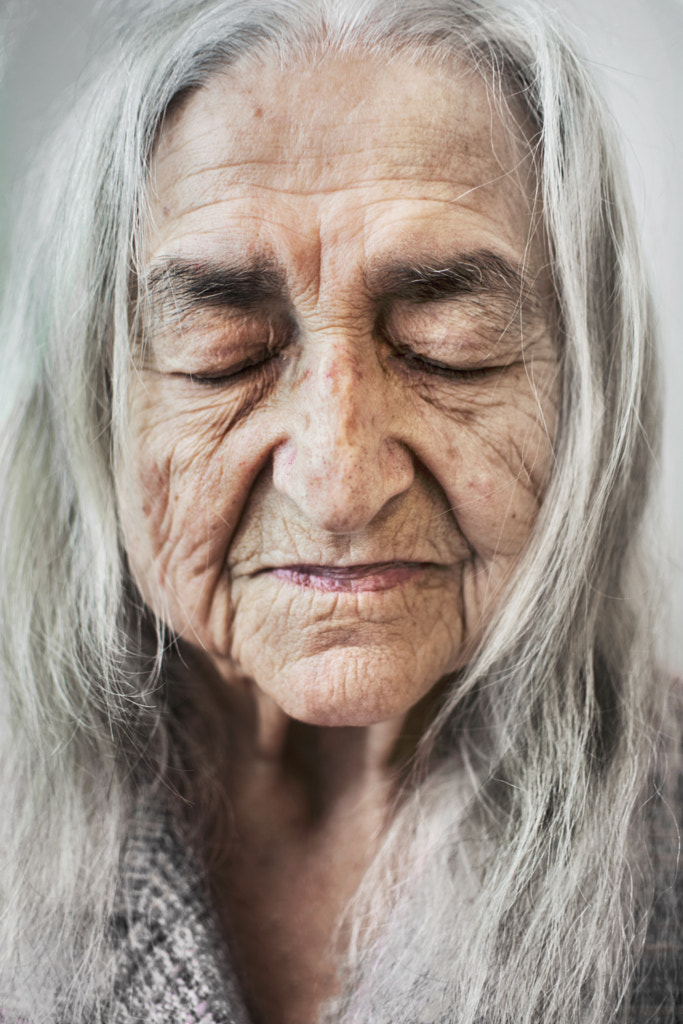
[(636, 49)]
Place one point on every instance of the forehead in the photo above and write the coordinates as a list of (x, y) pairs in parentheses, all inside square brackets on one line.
[(342, 151)]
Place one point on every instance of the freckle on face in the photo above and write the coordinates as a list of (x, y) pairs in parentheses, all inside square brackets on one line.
[(329, 491)]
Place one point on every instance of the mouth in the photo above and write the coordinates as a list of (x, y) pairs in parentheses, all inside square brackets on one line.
[(351, 578)]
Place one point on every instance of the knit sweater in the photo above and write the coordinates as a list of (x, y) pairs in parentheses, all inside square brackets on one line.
[(173, 967)]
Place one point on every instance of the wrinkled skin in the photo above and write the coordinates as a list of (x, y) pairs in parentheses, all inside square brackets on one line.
[(326, 488), (338, 450)]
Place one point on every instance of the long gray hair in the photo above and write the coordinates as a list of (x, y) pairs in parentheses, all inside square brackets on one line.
[(507, 887)]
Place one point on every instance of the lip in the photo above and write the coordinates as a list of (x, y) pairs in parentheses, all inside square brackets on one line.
[(352, 578)]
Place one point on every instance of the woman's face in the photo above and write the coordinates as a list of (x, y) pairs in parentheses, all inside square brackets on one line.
[(341, 422)]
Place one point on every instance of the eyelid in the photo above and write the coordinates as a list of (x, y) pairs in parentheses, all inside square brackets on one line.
[(461, 373), (230, 375), (436, 367)]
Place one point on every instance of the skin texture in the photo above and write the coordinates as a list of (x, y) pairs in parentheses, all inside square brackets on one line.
[(326, 487)]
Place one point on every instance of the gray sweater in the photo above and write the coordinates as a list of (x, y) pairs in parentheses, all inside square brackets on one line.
[(173, 967)]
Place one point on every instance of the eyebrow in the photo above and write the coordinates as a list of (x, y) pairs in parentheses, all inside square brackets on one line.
[(479, 274), (178, 286)]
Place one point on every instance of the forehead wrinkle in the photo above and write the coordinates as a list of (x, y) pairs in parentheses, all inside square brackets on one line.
[(239, 208), (412, 177), (415, 160)]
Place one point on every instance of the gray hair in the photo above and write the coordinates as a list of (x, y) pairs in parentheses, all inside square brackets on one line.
[(564, 684)]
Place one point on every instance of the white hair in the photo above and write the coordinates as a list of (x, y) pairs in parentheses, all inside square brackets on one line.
[(517, 895)]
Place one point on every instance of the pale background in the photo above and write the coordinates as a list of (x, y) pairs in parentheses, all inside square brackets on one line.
[(636, 49)]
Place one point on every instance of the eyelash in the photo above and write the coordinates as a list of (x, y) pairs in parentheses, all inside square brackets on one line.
[(423, 364), (240, 372)]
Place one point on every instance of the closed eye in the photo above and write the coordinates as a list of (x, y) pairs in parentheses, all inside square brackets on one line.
[(434, 367), (235, 374)]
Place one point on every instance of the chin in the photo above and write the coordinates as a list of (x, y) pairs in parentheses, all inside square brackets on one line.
[(337, 716), (355, 698)]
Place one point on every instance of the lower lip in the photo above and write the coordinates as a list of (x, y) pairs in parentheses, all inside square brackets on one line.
[(352, 579)]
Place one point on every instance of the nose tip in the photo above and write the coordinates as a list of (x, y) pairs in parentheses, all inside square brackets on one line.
[(342, 492), (342, 462)]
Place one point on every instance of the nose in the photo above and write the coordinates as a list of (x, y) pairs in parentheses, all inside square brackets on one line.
[(342, 461)]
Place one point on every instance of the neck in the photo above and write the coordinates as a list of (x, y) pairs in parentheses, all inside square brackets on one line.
[(292, 816)]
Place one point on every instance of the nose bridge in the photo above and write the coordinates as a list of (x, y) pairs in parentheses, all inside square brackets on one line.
[(347, 399), (344, 429), (343, 461)]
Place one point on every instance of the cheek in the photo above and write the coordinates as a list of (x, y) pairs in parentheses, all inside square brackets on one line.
[(499, 492), (180, 491), (493, 459)]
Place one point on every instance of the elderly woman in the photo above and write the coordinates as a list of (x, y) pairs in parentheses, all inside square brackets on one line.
[(326, 661)]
